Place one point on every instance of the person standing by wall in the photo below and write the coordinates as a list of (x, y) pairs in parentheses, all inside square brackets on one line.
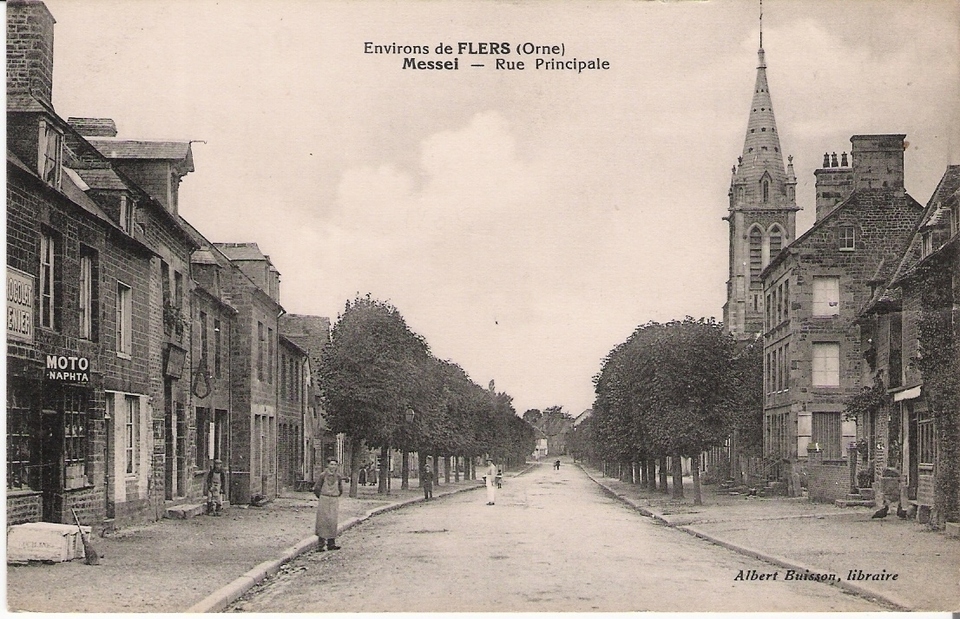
[(216, 484), (426, 480), (490, 477), (328, 489)]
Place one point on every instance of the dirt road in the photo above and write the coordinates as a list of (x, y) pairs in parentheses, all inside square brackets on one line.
[(552, 542)]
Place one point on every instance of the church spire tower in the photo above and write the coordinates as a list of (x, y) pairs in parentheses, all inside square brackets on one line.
[(762, 208)]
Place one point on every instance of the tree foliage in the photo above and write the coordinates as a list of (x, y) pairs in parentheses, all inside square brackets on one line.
[(375, 368), (673, 389)]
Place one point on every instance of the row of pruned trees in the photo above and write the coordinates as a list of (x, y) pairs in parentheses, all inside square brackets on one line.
[(382, 387), (674, 390)]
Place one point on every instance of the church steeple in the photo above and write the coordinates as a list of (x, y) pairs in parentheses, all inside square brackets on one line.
[(760, 178), (762, 205)]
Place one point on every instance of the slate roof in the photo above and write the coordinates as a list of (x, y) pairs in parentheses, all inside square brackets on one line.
[(241, 251), (891, 293), (101, 178), (122, 148), (25, 103)]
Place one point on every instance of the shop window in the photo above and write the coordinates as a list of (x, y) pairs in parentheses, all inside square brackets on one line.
[(73, 405), (21, 474)]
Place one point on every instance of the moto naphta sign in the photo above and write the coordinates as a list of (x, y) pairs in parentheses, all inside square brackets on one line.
[(63, 369)]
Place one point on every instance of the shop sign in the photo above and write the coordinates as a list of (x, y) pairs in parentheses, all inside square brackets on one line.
[(63, 369), (20, 290)]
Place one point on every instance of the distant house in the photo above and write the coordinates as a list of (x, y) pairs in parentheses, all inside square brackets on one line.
[(542, 448)]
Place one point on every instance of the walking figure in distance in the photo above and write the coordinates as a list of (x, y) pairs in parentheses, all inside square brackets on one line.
[(556, 465), (490, 477), (426, 480), (328, 489), (216, 484)]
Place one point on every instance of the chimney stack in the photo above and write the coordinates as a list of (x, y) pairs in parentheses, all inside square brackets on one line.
[(94, 127), (877, 161), (30, 49)]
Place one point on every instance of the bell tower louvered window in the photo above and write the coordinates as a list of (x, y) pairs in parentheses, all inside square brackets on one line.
[(756, 254)]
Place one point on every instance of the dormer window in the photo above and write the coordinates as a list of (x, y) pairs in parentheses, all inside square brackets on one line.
[(49, 154), (928, 243), (126, 214), (765, 190)]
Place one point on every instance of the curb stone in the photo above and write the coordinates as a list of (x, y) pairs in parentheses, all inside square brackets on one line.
[(860, 590), (230, 593)]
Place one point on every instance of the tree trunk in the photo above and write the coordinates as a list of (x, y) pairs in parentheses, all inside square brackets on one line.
[(644, 474), (356, 444), (697, 497), (456, 468), (664, 487), (734, 455), (436, 468), (384, 470), (677, 466), (446, 469), (405, 470), (421, 466)]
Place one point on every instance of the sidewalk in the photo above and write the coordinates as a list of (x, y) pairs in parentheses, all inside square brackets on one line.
[(196, 565), (820, 538)]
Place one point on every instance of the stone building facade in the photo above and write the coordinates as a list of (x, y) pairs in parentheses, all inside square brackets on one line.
[(253, 289), (293, 416), (909, 417), (137, 351), (310, 334), (813, 293), (86, 242)]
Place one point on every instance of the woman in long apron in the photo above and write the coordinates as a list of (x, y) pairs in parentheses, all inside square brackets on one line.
[(328, 489)]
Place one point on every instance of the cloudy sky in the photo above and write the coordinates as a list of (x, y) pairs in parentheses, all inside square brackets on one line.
[(523, 222)]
